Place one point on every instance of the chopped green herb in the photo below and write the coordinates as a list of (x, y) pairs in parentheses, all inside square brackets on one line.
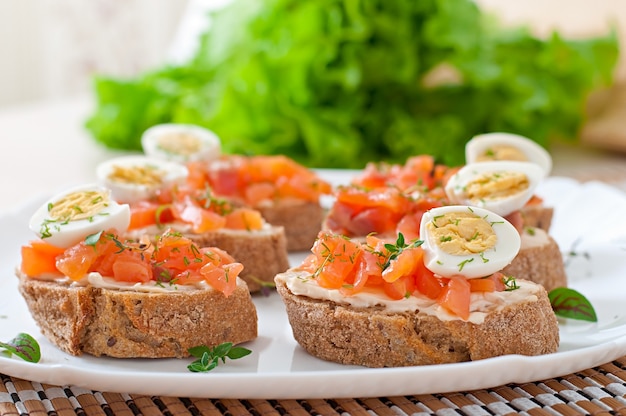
[(464, 262), (92, 239), (510, 283)]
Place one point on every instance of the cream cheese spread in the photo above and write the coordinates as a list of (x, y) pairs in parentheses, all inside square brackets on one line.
[(481, 303)]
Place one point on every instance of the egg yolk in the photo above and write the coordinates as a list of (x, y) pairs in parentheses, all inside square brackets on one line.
[(496, 185), (78, 206), (462, 233), (140, 175), (502, 152), (183, 144)]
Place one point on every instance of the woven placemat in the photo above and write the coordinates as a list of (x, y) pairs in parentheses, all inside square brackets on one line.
[(596, 391)]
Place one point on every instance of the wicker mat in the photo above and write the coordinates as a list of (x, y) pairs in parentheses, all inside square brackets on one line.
[(597, 391)]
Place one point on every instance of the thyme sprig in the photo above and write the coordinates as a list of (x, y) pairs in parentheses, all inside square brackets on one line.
[(394, 250)]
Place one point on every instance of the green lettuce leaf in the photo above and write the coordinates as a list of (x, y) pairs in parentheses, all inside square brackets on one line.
[(337, 83)]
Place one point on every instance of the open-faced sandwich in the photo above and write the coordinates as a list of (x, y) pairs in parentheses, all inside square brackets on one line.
[(286, 193), (92, 290), (391, 199), (161, 196), (440, 299)]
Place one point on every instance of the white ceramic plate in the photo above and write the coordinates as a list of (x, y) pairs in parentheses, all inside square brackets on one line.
[(588, 223)]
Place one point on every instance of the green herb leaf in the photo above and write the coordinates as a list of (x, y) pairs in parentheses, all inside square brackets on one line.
[(24, 346), (92, 240), (568, 303), (209, 358)]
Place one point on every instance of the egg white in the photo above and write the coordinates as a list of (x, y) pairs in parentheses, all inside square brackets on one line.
[(456, 187), (174, 173), (65, 234), (534, 153), (472, 265), (210, 145)]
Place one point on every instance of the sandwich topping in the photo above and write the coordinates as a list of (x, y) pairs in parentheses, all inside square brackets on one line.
[(106, 260), (66, 218), (495, 185), (396, 276), (467, 241), (499, 186)]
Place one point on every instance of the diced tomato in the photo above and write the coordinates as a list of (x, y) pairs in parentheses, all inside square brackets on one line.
[(129, 266), (400, 288), (417, 172), (535, 200), (373, 220), (404, 265), (188, 277), (77, 260), (217, 256), (368, 267), (145, 213), (456, 297), (427, 283), (491, 283), (337, 257), (244, 219), (255, 193), (409, 225), (390, 198), (200, 219), (224, 179), (39, 258), (482, 285), (197, 177), (223, 278)]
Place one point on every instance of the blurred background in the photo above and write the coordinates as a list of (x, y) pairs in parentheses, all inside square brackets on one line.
[(51, 48)]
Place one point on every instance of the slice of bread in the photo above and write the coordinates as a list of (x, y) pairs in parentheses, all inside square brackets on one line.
[(377, 337), (132, 324), (302, 221), (539, 260)]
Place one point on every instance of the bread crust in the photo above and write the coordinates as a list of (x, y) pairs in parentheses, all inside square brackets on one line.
[(131, 324), (539, 263), (537, 216), (372, 337), (302, 221)]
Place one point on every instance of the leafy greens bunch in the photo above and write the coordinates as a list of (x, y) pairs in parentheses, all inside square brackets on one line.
[(337, 83)]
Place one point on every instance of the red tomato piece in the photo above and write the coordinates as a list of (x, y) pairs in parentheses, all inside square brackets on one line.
[(456, 297), (39, 258)]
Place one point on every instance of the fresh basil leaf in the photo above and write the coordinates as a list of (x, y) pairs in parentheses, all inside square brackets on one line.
[(24, 346), (569, 303)]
